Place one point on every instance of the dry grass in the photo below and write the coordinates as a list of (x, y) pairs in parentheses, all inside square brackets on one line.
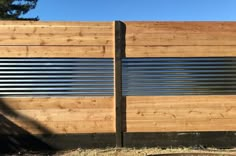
[(143, 152)]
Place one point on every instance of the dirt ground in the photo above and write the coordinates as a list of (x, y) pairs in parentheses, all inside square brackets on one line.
[(145, 152)]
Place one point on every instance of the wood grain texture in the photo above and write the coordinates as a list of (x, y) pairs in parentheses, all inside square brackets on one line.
[(56, 29), (54, 39), (180, 113), (65, 127), (180, 39), (180, 51), (55, 33), (57, 51), (95, 39), (60, 115), (54, 24), (68, 115), (151, 27), (58, 103)]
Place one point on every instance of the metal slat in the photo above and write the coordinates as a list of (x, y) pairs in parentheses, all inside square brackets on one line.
[(179, 59), (57, 68), (55, 64), (193, 87), (54, 80), (55, 60), (98, 93), (174, 79), (179, 76), (57, 72), (169, 93), (48, 93), (56, 77), (55, 89), (182, 63), (178, 67), (180, 71), (100, 84)]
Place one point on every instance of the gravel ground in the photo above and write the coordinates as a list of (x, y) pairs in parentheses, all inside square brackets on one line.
[(137, 152), (146, 152)]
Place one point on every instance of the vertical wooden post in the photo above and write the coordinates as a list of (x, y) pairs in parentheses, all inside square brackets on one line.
[(119, 50)]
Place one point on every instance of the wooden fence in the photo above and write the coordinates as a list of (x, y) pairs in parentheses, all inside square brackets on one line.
[(100, 121)]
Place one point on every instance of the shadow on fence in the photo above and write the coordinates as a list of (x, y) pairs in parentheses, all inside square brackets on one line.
[(13, 138)]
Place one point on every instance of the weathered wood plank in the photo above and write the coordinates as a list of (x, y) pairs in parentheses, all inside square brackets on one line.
[(180, 51), (56, 103), (56, 51), (180, 113)]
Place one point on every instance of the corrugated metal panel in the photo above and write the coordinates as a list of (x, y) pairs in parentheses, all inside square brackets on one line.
[(179, 76), (56, 77)]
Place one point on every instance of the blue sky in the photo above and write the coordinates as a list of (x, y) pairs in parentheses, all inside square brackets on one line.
[(135, 10)]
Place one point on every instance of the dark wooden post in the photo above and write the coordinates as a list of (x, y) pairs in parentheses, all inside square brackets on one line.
[(119, 50)]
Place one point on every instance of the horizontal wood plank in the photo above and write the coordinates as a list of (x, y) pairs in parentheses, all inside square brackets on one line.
[(55, 33), (46, 115), (179, 27), (62, 127), (59, 115), (79, 30), (194, 114), (181, 39), (180, 33), (180, 51), (4, 23), (56, 103), (185, 125), (180, 113), (54, 39), (57, 51)]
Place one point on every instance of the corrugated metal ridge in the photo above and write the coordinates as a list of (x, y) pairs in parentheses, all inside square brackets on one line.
[(179, 76), (22, 77)]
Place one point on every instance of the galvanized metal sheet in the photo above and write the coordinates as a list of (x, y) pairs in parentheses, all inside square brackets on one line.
[(22, 77), (179, 76)]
